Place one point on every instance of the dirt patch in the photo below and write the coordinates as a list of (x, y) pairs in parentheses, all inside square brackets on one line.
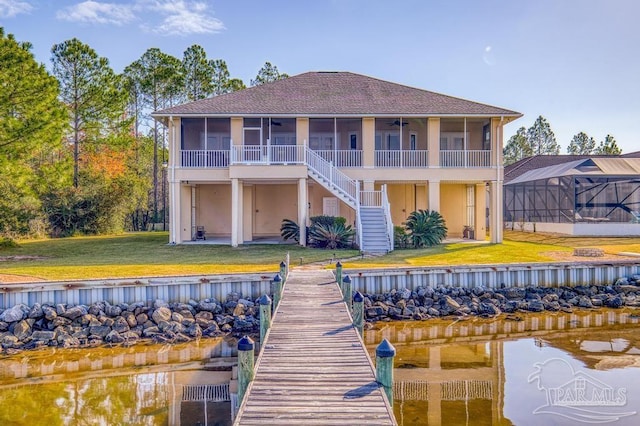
[(567, 256), (20, 258), (14, 279)]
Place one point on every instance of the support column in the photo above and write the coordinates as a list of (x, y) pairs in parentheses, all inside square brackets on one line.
[(303, 210), (237, 213), (174, 211), (434, 195), (368, 142), (495, 212), (433, 141), (434, 392), (480, 225)]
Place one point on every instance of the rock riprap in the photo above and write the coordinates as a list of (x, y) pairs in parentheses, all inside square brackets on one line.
[(63, 325)]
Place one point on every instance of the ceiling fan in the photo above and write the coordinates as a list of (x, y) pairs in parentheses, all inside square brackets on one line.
[(276, 123), (397, 123)]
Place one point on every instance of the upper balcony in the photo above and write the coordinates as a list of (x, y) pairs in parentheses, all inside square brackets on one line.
[(381, 143)]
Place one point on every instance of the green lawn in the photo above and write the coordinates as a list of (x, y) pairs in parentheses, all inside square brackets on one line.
[(147, 254)]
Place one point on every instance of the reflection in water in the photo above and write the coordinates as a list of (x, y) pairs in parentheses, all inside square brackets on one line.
[(140, 385), (534, 369)]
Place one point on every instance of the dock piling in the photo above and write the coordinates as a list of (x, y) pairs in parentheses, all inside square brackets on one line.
[(265, 316), (358, 312), (385, 353), (245, 365), (276, 290), (347, 291)]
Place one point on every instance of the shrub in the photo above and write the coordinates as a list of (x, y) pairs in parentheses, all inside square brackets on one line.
[(426, 228), (400, 237), (331, 236), (289, 230), (6, 242)]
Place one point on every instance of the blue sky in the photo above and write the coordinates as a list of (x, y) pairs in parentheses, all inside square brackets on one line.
[(576, 62)]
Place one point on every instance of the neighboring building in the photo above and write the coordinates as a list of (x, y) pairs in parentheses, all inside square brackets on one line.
[(574, 194), (333, 143)]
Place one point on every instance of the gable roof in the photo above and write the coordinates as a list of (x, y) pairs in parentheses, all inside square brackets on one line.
[(591, 166), (534, 162), (334, 93)]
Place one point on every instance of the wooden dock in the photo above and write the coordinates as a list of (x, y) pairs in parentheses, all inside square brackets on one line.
[(314, 367)]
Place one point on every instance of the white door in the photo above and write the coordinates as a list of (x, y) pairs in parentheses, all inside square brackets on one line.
[(330, 206)]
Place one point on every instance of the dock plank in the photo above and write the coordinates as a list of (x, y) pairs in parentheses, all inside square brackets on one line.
[(313, 368)]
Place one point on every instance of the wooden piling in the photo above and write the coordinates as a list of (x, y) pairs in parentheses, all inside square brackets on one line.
[(347, 291), (385, 353), (245, 365), (265, 316), (339, 276), (358, 312), (276, 290)]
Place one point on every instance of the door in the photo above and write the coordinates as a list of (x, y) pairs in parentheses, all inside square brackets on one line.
[(252, 149), (330, 206)]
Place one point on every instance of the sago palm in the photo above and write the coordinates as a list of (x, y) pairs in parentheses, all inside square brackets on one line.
[(426, 228)]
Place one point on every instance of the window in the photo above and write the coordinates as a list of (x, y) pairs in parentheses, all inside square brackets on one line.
[(413, 141), (353, 141)]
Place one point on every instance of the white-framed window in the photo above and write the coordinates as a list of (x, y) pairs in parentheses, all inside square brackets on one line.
[(387, 141), (413, 141), (353, 141), (452, 141)]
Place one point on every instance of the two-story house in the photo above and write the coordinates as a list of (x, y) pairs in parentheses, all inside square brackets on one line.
[(333, 143)]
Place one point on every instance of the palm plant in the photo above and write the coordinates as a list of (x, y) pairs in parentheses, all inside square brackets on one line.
[(426, 228), (331, 236), (289, 230)]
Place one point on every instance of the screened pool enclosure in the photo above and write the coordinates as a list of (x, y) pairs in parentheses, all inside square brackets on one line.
[(595, 191)]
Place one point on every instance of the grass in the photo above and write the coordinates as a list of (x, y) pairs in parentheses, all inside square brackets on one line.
[(518, 247), (147, 254)]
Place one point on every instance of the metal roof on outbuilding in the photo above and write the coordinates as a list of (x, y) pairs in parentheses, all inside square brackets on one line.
[(588, 166)]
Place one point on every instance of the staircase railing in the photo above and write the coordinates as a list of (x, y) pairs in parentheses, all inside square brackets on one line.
[(359, 235), (387, 214), (338, 180)]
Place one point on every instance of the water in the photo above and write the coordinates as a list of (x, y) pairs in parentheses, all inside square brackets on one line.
[(140, 385), (552, 369)]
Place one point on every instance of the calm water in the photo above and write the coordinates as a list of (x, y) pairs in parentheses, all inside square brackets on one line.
[(140, 385), (562, 369)]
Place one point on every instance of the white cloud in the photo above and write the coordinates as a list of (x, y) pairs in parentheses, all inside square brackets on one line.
[(11, 8), (182, 17), (94, 12)]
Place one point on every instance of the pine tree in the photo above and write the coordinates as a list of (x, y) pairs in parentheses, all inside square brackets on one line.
[(608, 147), (581, 144), (542, 139), (267, 74), (517, 148)]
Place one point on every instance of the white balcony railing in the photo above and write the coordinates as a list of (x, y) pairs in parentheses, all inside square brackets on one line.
[(342, 158), (465, 158), (274, 154), (371, 198), (401, 159), (211, 159)]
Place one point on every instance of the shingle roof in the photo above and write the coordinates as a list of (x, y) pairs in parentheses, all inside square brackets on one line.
[(334, 93)]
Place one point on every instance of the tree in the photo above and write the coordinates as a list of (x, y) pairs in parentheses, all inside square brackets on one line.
[(542, 139), (198, 73), (30, 114), (581, 144), (608, 147), (91, 91), (267, 74), (31, 125), (517, 147), (221, 82), (158, 78)]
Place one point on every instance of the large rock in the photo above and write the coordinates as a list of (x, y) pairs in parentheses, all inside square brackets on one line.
[(49, 313), (100, 331), (120, 325), (13, 314), (36, 311), (75, 312), (22, 330), (114, 337), (451, 303), (161, 314), (43, 335)]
